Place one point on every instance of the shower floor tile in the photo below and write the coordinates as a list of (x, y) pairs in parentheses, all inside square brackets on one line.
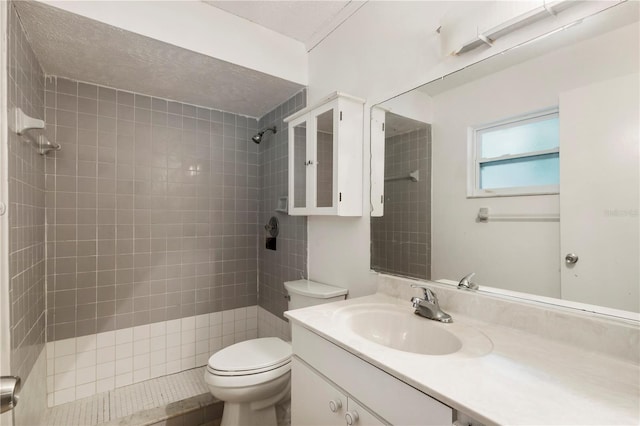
[(125, 401)]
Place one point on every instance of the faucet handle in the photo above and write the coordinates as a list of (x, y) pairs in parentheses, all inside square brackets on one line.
[(429, 295), (466, 283)]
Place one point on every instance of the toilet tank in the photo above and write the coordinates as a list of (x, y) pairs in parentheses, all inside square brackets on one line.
[(303, 293)]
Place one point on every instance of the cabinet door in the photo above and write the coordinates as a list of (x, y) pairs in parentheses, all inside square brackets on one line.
[(311, 398), (357, 415), (299, 164), (325, 130)]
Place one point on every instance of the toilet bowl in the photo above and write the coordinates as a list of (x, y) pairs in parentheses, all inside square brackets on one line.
[(251, 377)]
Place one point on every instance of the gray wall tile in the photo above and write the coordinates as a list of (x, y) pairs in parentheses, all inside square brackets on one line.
[(27, 197), (289, 261), (140, 202)]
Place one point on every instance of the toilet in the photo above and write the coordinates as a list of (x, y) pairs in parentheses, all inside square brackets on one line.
[(251, 377)]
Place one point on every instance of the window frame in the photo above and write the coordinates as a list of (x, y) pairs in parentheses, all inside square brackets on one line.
[(474, 162)]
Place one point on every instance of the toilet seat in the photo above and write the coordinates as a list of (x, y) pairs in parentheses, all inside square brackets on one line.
[(251, 357)]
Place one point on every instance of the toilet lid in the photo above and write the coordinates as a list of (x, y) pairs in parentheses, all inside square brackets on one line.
[(251, 356)]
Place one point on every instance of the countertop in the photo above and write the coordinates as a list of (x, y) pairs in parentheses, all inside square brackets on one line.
[(524, 379)]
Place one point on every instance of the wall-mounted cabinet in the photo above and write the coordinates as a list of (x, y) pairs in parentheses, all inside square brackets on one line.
[(325, 158)]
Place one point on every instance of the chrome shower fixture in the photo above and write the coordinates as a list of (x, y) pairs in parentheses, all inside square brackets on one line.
[(258, 137)]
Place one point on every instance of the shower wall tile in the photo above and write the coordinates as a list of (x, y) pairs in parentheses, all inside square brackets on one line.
[(153, 210), (79, 367), (289, 261), (26, 205), (401, 239)]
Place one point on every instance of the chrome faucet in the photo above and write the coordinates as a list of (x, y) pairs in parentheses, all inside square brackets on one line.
[(466, 284), (429, 306)]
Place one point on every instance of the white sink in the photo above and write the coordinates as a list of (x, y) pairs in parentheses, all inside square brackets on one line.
[(399, 328)]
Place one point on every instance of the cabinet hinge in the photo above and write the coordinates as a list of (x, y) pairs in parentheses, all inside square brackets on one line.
[(383, 127), (340, 196), (382, 199), (340, 115)]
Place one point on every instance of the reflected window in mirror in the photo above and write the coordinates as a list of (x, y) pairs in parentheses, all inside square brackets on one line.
[(517, 156)]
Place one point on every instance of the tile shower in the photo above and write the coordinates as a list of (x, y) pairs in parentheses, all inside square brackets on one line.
[(152, 206), (152, 212), (137, 250)]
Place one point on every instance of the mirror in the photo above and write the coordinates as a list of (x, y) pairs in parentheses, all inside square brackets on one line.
[(324, 156), (300, 165), (523, 168)]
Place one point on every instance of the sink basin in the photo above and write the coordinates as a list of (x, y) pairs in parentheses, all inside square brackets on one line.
[(402, 330)]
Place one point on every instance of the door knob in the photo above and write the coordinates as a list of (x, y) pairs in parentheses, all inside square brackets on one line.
[(571, 258), (9, 388)]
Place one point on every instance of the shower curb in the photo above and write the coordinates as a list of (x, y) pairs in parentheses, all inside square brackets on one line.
[(198, 410)]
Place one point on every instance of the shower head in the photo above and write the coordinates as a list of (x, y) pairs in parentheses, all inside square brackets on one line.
[(257, 138)]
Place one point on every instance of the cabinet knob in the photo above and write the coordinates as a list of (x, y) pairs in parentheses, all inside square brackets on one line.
[(335, 405), (351, 417)]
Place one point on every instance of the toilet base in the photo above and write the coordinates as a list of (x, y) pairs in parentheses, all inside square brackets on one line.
[(241, 414), (240, 408)]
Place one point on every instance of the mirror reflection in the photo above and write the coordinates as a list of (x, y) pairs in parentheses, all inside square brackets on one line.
[(402, 237), (324, 155), (523, 168)]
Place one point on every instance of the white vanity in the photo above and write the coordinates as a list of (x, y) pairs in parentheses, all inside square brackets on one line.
[(517, 362)]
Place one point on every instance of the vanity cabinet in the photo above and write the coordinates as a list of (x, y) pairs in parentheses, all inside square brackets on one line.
[(325, 157), (323, 374), (317, 402)]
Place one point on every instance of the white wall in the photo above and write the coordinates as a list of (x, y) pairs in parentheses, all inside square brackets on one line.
[(528, 252), (384, 49), (379, 52)]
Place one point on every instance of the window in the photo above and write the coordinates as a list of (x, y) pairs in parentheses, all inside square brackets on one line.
[(519, 156)]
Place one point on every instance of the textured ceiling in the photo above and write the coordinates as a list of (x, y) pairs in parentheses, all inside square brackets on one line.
[(305, 21), (68, 45)]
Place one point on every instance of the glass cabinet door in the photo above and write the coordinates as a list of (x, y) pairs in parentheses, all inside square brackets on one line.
[(300, 165), (324, 159)]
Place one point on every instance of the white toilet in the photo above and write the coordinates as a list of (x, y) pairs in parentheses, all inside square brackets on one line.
[(251, 377)]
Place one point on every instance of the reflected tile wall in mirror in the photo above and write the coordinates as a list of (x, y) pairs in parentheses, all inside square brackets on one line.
[(402, 237)]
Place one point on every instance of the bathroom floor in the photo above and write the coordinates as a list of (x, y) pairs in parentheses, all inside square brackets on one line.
[(138, 403)]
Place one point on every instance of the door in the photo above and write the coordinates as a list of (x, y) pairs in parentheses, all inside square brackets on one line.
[(599, 193), (314, 401), (325, 135), (5, 339), (298, 165), (377, 161)]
